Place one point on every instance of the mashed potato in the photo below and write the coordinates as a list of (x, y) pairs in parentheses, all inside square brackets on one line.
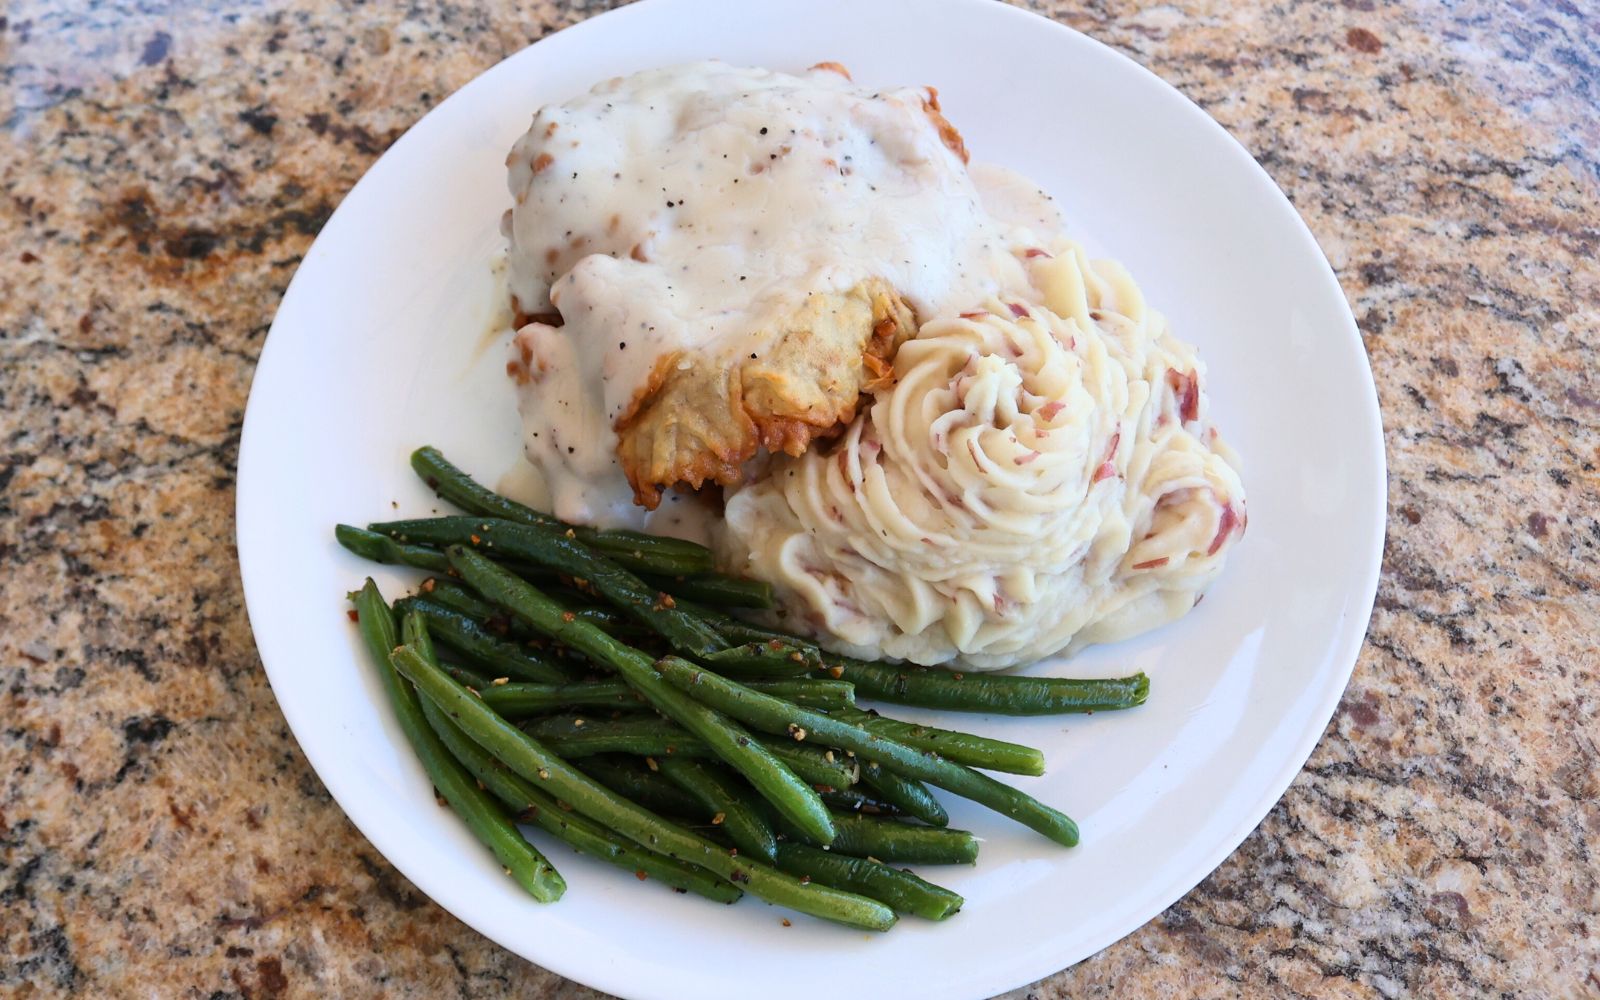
[(942, 432), (1043, 474)]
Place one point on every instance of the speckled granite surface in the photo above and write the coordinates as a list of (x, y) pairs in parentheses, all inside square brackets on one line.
[(165, 166)]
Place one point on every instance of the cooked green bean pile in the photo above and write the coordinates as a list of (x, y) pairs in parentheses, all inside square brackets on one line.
[(592, 684)]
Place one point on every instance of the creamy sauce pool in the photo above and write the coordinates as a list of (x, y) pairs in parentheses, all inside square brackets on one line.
[(687, 207)]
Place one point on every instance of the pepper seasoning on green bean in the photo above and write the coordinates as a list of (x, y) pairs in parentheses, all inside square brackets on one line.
[(730, 741), (515, 573), (633, 780), (642, 735), (637, 550), (456, 596), (900, 889), (530, 759), (907, 795), (926, 687), (963, 748), (774, 715), (533, 806), (718, 792), (521, 700), (564, 553), (893, 841), (483, 816), (380, 548), (482, 648), (674, 565)]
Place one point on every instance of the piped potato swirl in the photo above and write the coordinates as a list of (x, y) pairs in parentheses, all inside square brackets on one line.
[(1042, 474)]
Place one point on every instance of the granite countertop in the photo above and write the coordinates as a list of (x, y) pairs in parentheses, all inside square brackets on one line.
[(165, 166)]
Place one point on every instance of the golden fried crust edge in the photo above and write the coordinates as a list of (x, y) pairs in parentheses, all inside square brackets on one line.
[(698, 423)]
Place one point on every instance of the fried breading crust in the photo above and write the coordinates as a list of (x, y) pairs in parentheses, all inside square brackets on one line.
[(699, 419)]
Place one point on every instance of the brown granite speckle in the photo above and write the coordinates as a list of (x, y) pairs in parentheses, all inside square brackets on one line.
[(163, 170)]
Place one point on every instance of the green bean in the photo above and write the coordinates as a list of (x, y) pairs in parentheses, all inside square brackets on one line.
[(452, 594), (828, 695), (644, 736), (903, 891), (458, 597), (486, 651), (648, 729), (613, 621), (515, 701), (996, 694), (821, 769), (907, 795), (462, 675), (776, 716), (483, 816), (381, 548), (533, 573), (533, 806), (725, 805), (779, 785), (637, 550), (413, 632), (761, 660), (853, 800), (639, 784), (722, 590), (737, 630), (646, 604), (528, 758), (936, 687), (812, 692), (963, 748), (714, 588), (442, 590), (893, 841)]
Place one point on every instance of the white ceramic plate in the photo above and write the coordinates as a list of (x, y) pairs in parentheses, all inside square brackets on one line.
[(380, 346)]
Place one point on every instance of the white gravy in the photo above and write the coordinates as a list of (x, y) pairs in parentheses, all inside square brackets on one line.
[(688, 206)]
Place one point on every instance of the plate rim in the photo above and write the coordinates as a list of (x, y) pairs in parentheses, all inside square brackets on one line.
[(614, 978)]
